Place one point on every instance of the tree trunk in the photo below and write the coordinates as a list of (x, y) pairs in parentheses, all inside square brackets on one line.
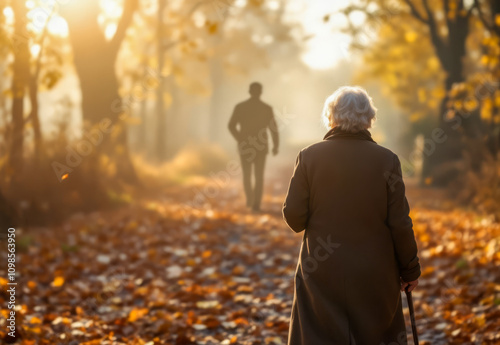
[(35, 119), (20, 80), (444, 153), (451, 53), (161, 120), (33, 92), (215, 123), (8, 217), (143, 127), (101, 101), (94, 59)]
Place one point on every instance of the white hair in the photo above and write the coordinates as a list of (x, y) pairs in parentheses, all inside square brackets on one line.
[(350, 108)]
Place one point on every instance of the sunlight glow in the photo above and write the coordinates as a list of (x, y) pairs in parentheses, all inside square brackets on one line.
[(273, 5), (324, 51), (43, 14), (35, 50), (9, 15), (357, 17), (58, 26), (30, 4), (110, 30), (38, 18), (111, 12), (326, 46), (111, 8)]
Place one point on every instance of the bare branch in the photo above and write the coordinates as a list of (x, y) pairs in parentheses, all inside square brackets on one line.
[(446, 7), (470, 10), (38, 65), (428, 10), (446, 10), (437, 41), (415, 12), (129, 8), (480, 14)]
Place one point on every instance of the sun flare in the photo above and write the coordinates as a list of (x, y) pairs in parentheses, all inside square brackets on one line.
[(326, 46)]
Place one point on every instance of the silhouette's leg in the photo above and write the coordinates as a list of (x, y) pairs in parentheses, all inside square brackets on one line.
[(246, 168), (260, 162)]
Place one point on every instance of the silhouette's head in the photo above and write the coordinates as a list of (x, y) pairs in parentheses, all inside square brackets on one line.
[(255, 89), (350, 108)]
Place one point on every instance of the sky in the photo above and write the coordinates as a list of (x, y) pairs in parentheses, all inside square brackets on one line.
[(325, 47), (328, 45)]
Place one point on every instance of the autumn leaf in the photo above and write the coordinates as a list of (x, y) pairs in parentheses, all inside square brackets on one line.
[(137, 313), (58, 281)]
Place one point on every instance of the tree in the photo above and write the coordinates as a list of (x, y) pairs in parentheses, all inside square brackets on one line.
[(410, 75), (45, 72), (480, 91), (20, 81), (445, 26), (201, 43), (160, 104), (244, 38), (95, 58), (450, 50)]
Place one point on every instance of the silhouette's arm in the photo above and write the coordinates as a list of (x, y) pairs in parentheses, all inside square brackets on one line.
[(233, 123), (273, 127)]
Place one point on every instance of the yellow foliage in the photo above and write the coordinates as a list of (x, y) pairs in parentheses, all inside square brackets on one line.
[(438, 93), (497, 98), (167, 99), (470, 104), (405, 63), (421, 95), (414, 117), (433, 63), (411, 36), (486, 108)]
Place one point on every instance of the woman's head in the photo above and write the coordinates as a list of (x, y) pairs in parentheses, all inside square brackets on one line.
[(350, 108)]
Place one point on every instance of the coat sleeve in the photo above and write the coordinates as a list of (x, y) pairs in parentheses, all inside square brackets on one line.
[(401, 225), (273, 128), (233, 123), (296, 205)]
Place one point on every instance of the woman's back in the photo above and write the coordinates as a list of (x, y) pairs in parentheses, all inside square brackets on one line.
[(348, 186), (348, 194)]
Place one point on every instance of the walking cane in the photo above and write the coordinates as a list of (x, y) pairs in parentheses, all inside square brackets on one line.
[(412, 315)]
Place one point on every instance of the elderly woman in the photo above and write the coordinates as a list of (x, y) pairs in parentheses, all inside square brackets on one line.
[(358, 249)]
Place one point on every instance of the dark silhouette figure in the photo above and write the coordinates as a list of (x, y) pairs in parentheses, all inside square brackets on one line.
[(249, 125)]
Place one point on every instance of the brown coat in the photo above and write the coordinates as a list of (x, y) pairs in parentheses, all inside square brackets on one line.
[(348, 194)]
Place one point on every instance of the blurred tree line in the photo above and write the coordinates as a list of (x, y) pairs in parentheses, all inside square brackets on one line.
[(140, 64), (129, 56)]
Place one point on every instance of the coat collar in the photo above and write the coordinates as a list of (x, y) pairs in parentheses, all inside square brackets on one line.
[(336, 133)]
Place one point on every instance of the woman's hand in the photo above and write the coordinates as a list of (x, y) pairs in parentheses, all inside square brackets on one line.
[(411, 285)]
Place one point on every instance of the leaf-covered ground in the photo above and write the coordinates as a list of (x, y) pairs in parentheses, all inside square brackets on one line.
[(170, 269)]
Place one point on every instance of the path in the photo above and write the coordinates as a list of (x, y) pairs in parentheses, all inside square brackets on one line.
[(161, 271)]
